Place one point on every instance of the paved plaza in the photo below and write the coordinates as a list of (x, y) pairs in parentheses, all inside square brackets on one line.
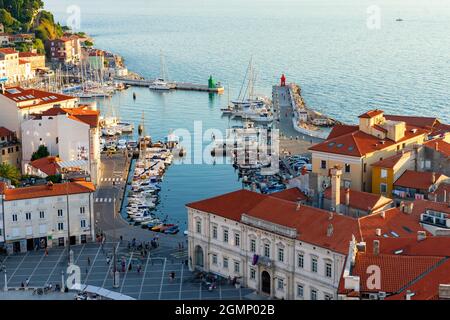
[(151, 283)]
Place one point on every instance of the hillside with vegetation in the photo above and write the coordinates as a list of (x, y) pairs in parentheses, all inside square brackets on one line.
[(28, 16)]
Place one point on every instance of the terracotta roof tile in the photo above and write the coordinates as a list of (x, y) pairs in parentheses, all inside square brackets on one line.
[(8, 50), (48, 165), (391, 162), (371, 113), (439, 145), (421, 122), (46, 191), (4, 132), (395, 224), (420, 206), (358, 143), (341, 129), (90, 117), (20, 95), (292, 194), (416, 180), (410, 246), (361, 200)]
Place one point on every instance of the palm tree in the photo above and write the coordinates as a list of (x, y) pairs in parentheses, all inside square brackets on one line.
[(10, 172)]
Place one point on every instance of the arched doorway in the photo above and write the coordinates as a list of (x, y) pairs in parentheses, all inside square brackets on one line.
[(265, 282), (198, 254)]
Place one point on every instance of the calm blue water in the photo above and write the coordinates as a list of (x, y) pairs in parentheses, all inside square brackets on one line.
[(343, 67)]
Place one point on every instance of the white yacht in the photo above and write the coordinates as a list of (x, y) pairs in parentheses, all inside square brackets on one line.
[(159, 84)]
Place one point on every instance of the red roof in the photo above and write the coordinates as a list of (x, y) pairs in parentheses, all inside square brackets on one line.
[(421, 122), (416, 180), (439, 145), (82, 114), (48, 165), (311, 223), (420, 206), (443, 191), (8, 51), (410, 246), (390, 162), (29, 54), (47, 191), (395, 224), (19, 95), (292, 194), (361, 200), (341, 129), (397, 271), (371, 114), (358, 143), (5, 132)]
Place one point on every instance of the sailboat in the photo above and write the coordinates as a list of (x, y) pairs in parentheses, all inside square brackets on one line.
[(161, 82), (246, 96)]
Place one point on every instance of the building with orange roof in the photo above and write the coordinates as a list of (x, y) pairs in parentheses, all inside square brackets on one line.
[(435, 156), (72, 134), (36, 60), (65, 50), (282, 248), (417, 185), (356, 148), (14, 69), (42, 215), (18, 104), (44, 167)]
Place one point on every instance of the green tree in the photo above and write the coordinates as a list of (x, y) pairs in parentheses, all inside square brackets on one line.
[(10, 172), (41, 152)]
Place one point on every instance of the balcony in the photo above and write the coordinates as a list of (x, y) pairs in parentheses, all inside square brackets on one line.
[(438, 219)]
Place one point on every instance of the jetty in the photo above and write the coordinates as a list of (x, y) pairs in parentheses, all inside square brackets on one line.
[(211, 87)]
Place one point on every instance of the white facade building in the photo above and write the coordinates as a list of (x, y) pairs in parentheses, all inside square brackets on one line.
[(48, 215), (277, 247), (70, 134), (18, 104)]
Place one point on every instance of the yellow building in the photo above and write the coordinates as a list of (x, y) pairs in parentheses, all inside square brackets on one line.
[(387, 171), (356, 148)]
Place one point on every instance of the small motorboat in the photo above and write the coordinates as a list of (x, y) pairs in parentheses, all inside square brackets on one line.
[(172, 230)]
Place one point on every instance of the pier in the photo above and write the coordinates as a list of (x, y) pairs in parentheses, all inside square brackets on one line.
[(186, 86)]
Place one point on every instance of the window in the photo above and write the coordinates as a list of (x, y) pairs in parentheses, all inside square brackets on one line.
[(236, 267), (225, 262), (225, 235), (267, 250), (328, 270), (383, 187), (237, 239), (214, 258), (313, 294), (300, 290), (253, 245), (347, 184), (328, 296), (365, 167), (214, 232), (57, 140), (347, 168), (281, 254), (14, 217), (198, 224), (252, 274), (383, 173), (41, 214), (28, 216), (314, 264), (280, 283), (323, 164), (60, 226), (83, 223), (60, 213), (82, 210), (300, 260)]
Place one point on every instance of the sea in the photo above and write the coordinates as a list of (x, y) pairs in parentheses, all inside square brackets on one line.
[(348, 56)]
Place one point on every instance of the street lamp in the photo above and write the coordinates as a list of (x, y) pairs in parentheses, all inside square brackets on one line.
[(5, 287)]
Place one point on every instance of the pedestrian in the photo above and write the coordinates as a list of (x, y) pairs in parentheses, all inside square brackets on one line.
[(89, 261), (46, 251), (130, 267), (27, 282), (108, 260), (139, 269), (87, 270)]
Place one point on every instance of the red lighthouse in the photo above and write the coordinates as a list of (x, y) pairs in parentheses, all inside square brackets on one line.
[(283, 80)]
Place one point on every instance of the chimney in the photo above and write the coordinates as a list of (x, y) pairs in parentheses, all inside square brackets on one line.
[(50, 185), (421, 235), (444, 196), (336, 174), (330, 215), (298, 206), (409, 207), (409, 295), (436, 146), (444, 291), (378, 232), (330, 230), (361, 246), (433, 177), (376, 247), (347, 197), (383, 214)]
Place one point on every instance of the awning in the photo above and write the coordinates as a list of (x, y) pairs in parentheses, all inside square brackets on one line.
[(73, 164)]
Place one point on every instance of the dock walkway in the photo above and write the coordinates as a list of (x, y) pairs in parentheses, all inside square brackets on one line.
[(186, 86)]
